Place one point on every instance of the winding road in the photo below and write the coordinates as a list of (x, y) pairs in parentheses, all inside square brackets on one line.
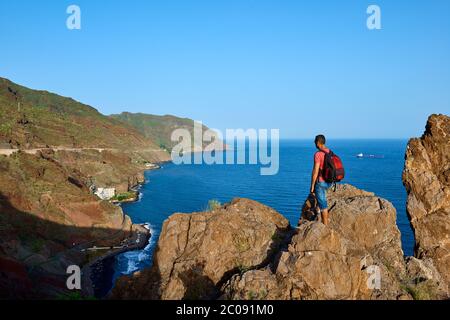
[(8, 152)]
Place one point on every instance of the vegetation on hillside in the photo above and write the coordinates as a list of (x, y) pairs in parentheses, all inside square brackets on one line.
[(157, 128), (34, 119), (125, 196)]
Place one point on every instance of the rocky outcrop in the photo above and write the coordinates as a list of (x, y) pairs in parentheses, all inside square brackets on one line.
[(369, 222), (197, 253), (246, 251), (358, 256), (427, 180)]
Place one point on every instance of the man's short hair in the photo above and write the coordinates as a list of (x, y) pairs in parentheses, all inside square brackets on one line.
[(320, 139)]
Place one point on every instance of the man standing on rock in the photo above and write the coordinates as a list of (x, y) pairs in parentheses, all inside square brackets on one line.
[(319, 186)]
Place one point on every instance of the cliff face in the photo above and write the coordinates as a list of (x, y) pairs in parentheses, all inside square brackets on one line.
[(199, 252), (246, 251), (427, 180), (119, 169), (47, 216)]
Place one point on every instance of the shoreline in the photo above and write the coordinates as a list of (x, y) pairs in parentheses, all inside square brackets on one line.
[(86, 271), (137, 244)]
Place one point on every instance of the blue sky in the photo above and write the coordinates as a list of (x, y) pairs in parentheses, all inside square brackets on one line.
[(301, 66)]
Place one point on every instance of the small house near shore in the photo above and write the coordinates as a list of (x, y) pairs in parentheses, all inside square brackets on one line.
[(105, 193)]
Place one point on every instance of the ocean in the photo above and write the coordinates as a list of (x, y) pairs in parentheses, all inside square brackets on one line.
[(188, 188)]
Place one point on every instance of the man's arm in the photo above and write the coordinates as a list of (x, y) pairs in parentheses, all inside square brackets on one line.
[(314, 176)]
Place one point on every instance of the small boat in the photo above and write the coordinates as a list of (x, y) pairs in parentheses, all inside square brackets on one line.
[(369, 156)]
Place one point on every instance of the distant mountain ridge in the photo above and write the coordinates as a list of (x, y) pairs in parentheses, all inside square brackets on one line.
[(37, 119), (158, 128)]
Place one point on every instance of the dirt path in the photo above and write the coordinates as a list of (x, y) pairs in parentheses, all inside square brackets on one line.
[(8, 152)]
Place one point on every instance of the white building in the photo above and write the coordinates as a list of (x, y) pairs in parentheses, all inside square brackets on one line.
[(105, 193)]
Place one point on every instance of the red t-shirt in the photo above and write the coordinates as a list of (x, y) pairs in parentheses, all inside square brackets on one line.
[(319, 158)]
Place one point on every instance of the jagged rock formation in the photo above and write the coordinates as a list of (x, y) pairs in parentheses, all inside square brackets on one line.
[(230, 253), (198, 252), (341, 261), (427, 180)]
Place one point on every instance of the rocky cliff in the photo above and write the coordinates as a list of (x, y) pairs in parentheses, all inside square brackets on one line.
[(47, 217), (427, 181), (246, 250), (54, 153), (198, 253)]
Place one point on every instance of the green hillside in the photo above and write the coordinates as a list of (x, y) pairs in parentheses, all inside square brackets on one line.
[(157, 128), (34, 119)]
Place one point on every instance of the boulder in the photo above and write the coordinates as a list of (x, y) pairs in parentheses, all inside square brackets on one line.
[(423, 280), (198, 252), (427, 180), (369, 222), (358, 256)]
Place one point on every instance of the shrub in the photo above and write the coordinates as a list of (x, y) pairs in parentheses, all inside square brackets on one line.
[(421, 291), (124, 196), (213, 205)]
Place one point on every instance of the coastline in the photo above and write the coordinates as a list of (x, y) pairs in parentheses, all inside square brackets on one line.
[(137, 243), (87, 270)]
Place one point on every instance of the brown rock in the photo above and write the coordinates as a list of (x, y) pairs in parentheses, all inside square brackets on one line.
[(370, 223), (423, 280), (229, 253), (316, 266), (427, 180), (198, 252), (336, 262)]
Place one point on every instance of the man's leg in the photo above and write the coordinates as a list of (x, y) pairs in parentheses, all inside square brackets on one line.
[(325, 217), (322, 201), (321, 194)]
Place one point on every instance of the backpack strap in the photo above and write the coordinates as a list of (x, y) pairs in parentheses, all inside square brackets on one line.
[(331, 152)]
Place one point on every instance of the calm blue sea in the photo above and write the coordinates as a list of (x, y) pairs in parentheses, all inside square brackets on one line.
[(188, 188)]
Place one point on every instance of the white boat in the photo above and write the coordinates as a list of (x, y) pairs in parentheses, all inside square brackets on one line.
[(369, 156)]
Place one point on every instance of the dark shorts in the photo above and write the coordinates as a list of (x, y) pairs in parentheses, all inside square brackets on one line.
[(321, 194)]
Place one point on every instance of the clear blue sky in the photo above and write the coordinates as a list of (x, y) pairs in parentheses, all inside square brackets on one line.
[(301, 66)]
